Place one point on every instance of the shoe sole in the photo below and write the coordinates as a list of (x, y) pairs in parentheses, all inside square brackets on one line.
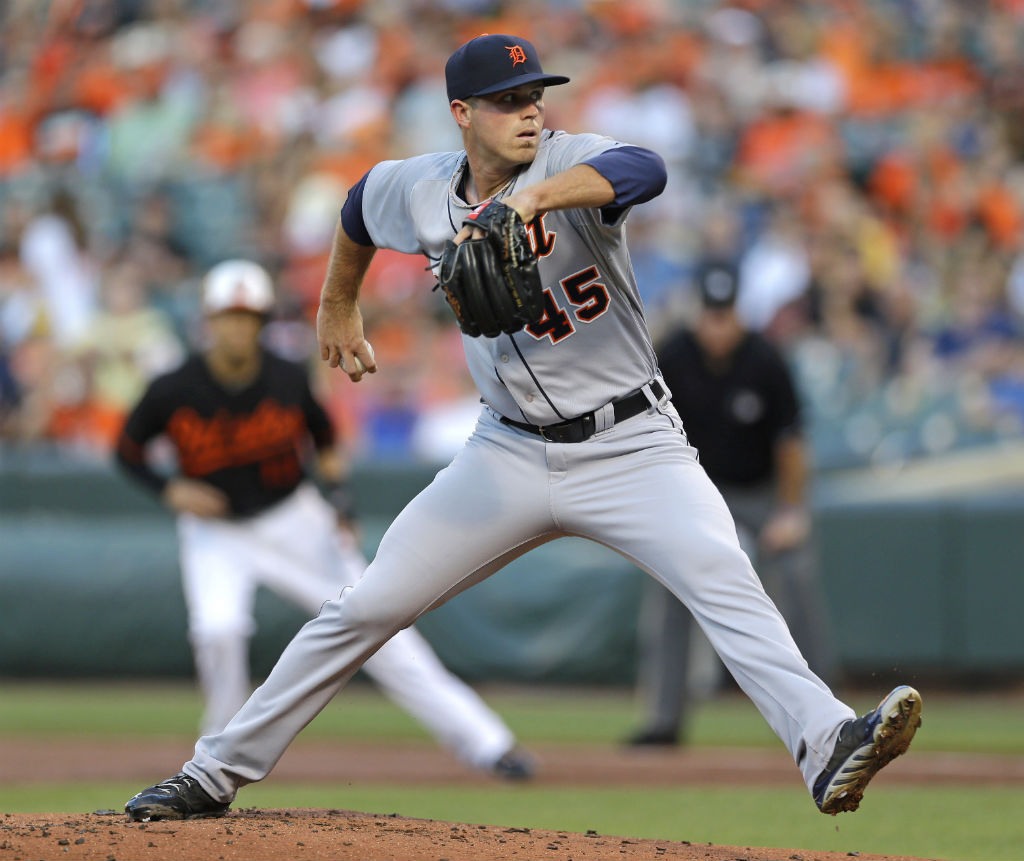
[(160, 813), (900, 717)]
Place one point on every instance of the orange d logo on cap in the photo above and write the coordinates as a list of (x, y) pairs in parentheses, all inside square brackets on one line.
[(481, 67)]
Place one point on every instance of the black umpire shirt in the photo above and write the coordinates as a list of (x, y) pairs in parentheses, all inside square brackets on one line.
[(733, 415), (249, 442)]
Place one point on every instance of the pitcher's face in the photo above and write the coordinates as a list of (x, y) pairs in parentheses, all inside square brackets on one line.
[(504, 127)]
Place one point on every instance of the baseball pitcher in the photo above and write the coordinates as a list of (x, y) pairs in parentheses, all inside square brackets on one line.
[(577, 434)]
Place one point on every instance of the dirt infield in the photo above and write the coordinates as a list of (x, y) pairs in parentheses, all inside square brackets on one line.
[(248, 833), (55, 760), (339, 834)]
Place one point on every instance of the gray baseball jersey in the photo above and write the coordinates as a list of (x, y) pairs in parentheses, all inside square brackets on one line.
[(593, 306)]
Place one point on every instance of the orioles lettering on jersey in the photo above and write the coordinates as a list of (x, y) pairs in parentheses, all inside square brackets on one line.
[(207, 445)]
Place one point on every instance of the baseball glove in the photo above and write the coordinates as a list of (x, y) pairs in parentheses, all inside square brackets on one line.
[(492, 283)]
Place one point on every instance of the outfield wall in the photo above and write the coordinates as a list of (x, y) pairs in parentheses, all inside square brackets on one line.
[(89, 586)]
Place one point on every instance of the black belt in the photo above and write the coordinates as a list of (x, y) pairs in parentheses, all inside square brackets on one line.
[(585, 426)]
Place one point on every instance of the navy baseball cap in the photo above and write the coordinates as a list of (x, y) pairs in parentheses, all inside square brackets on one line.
[(494, 62)]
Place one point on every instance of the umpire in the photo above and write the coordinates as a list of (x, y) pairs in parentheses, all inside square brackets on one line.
[(739, 406)]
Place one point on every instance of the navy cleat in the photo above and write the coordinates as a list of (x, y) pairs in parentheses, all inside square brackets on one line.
[(178, 797), (514, 764), (865, 746)]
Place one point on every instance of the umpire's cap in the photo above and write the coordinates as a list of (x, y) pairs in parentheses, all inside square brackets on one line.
[(494, 62), (718, 282), (237, 285)]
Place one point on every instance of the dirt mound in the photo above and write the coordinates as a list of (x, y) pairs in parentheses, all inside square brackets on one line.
[(254, 835)]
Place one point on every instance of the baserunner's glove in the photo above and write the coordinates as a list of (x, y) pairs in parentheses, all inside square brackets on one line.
[(492, 283)]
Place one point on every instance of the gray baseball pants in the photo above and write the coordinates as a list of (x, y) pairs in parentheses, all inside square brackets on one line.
[(635, 487)]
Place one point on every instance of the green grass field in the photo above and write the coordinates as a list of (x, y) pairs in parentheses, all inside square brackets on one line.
[(932, 822)]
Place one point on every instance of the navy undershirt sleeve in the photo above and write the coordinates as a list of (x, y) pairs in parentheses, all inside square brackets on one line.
[(636, 174), (352, 214)]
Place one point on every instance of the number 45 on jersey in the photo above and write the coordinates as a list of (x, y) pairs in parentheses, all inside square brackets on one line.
[(582, 293)]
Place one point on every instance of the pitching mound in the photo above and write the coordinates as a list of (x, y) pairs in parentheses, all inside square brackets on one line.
[(254, 835)]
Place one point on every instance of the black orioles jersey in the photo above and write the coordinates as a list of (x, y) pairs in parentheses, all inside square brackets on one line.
[(249, 442)]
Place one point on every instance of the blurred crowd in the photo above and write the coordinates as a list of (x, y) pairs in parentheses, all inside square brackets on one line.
[(860, 163)]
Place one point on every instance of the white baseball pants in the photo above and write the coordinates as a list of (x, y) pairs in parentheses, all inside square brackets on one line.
[(297, 550)]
